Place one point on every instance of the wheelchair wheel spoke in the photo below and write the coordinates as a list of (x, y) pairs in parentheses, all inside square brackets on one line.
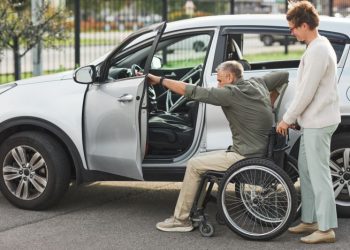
[(260, 204)]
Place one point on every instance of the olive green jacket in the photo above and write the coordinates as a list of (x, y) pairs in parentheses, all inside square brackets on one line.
[(247, 106)]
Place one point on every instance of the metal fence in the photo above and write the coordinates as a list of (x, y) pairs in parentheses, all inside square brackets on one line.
[(97, 26)]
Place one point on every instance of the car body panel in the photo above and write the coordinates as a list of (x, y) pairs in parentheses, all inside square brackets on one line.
[(344, 86), (48, 101), (47, 78), (112, 138)]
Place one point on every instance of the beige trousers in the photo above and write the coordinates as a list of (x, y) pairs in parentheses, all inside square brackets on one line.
[(216, 160)]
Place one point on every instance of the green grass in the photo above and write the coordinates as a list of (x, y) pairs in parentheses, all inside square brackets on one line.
[(183, 63), (6, 78), (274, 56)]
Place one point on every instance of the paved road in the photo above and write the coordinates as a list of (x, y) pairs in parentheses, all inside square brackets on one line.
[(122, 215)]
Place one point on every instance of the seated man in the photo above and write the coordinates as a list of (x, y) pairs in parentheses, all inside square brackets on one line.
[(247, 106)]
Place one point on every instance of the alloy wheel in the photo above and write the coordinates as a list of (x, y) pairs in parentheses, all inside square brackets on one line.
[(340, 172), (25, 172)]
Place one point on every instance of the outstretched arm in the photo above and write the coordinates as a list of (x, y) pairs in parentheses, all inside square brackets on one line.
[(176, 86), (214, 96), (275, 80)]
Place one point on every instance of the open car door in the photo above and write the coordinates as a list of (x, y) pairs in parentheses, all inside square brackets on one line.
[(115, 116)]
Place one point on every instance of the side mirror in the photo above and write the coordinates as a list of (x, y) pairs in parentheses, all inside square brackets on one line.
[(156, 63), (86, 74)]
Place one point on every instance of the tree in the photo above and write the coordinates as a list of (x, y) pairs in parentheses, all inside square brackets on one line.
[(18, 31)]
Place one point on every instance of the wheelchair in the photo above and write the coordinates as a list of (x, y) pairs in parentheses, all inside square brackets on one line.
[(256, 197)]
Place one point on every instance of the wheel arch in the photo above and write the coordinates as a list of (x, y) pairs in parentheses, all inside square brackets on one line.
[(344, 126), (20, 124)]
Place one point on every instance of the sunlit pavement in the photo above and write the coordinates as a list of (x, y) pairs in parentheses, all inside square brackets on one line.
[(122, 215)]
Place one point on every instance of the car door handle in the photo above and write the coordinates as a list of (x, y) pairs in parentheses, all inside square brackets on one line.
[(125, 98), (172, 75)]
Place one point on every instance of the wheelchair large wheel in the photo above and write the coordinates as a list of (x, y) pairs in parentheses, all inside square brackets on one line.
[(265, 204)]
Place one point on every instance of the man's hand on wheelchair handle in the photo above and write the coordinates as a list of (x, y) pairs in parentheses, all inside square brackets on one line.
[(282, 128)]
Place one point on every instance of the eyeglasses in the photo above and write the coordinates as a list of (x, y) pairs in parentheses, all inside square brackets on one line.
[(292, 29)]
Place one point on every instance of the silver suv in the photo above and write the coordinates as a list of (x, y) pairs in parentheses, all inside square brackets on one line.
[(103, 122)]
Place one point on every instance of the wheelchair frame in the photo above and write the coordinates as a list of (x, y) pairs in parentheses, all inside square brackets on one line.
[(274, 164)]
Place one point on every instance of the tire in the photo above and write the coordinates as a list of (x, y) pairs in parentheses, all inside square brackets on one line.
[(206, 229), (267, 40), (267, 202), (198, 46), (340, 149), (291, 169), (34, 170)]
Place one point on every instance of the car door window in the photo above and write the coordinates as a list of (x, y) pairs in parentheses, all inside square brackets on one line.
[(274, 51), (183, 51), (132, 57), (130, 62), (338, 47), (270, 51)]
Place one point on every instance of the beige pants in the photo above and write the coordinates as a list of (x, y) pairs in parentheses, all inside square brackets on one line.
[(216, 160)]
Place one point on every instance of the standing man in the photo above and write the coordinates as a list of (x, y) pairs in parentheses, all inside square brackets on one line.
[(247, 107), (315, 107)]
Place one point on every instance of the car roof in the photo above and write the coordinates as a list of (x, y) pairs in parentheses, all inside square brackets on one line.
[(334, 24)]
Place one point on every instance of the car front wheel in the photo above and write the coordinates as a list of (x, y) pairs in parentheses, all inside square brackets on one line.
[(34, 170)]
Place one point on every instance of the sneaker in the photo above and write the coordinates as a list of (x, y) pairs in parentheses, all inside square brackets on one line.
[(174, 225), (319, 237), (303, 228)]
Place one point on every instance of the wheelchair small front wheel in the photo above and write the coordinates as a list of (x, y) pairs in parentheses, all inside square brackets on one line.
[(206, 229), (257, 199)]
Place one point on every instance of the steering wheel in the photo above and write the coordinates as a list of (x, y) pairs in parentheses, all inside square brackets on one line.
[(135, 69), (170, 105)]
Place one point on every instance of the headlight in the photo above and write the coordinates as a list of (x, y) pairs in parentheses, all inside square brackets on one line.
[(8, 86)]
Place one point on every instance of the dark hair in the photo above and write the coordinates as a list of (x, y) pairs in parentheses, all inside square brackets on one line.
[(303, 12), (233, 67)]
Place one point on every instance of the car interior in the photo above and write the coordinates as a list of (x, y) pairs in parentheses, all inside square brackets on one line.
[(172, 121)]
